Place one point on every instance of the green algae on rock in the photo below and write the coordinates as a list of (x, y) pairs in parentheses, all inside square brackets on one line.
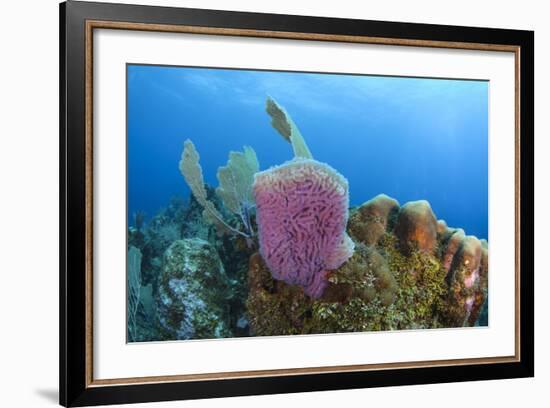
[(192, 292), (409, 271)]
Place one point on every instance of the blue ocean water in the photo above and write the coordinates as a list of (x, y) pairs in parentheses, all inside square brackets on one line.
[(409, 138)]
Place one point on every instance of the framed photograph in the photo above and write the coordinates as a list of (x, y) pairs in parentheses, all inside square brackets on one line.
[(256, 203)]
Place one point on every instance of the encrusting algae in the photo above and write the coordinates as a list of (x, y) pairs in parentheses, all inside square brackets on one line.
[(384, 285)]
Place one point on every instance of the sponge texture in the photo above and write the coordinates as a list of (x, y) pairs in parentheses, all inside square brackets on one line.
[(302, 212)]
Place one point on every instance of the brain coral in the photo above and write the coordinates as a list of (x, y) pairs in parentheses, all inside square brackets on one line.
[(302, 212)]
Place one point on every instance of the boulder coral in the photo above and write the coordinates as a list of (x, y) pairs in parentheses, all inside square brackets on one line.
[(452, 244), (369, 222), (416, 227), (480, 305), (438, 279), (466, 293)]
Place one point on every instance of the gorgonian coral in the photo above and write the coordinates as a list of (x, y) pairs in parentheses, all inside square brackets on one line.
[(235, 186), (134, 289), (283, 123)]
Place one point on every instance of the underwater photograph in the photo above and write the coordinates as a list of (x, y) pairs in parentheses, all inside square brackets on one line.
[(269, 203)]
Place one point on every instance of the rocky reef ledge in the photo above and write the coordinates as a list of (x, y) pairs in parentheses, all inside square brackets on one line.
[(409, 271)]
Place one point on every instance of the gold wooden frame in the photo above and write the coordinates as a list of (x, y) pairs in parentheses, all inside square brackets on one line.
[(98, 24)]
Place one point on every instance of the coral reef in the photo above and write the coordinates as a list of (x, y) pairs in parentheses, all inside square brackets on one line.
[(193, 289), (314, 265), (182, 219), (388, 284)]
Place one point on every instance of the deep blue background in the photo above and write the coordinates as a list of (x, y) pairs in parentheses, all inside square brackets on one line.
[(409, 138)]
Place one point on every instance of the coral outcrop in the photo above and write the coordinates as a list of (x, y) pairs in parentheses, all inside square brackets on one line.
[(408, 271), (452, 240), (468, 282), (192, 292), (416, 227), (369, 222), (183, 220)]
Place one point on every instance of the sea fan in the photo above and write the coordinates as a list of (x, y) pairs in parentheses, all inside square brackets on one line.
[(235, 188)]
